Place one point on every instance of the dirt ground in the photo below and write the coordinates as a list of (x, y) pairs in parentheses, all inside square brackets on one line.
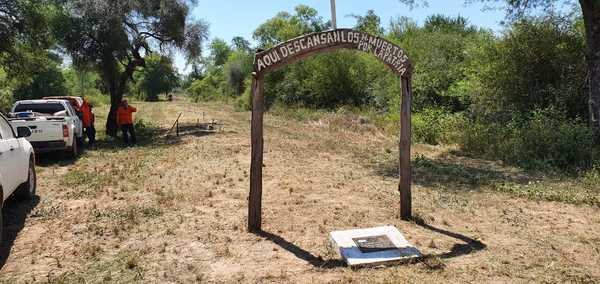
[(174, 210)]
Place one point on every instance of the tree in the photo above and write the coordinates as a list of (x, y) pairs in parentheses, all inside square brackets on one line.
[(46, 81), (159, 76), (27, 69), (26, 32), (438, 51), (116, 37), (537, 64), (285, 26), (24, 21), (219, 51), (241, 43), (591, 17), (82, 82), (369, 23), (237, 68)]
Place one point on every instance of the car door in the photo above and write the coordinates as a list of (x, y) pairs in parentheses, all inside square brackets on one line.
[(12, 165)]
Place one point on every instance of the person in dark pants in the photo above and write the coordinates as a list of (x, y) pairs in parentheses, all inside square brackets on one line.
[(88, 119), (125, 121)]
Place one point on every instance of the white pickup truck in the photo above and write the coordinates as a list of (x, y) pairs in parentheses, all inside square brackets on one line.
[(54, 125), (17, 164)]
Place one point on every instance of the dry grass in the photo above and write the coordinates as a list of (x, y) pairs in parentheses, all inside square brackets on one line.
[(175, 210)]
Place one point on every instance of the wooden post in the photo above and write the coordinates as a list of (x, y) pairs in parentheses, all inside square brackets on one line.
[(279, 56), (255, 196), (405, 140)]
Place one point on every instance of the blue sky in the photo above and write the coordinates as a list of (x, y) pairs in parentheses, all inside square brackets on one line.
[(230, 18)]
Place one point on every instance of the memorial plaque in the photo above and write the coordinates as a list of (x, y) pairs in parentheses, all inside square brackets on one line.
[(373, 244)]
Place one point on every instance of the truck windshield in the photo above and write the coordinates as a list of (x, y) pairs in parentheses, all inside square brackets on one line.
[(47, 108)]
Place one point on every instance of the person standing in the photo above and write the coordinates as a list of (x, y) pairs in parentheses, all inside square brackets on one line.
[(88, 120), (125, 121)]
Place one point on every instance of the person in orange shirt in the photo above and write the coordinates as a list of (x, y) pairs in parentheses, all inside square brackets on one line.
[(88, 120), (125, 121)]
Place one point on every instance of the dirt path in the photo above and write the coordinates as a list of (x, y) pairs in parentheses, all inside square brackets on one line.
[(175, 211)]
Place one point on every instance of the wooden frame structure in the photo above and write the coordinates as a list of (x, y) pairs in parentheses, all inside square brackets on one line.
[(308, 45)]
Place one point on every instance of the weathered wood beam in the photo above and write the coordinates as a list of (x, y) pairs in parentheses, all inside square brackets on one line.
[(405, 143), (255, 196)]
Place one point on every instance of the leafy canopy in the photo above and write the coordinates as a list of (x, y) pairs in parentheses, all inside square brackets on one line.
[(159, 76), (285, 26), (104, 33)]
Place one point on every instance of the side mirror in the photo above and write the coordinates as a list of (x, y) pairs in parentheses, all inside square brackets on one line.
[(23, 132)]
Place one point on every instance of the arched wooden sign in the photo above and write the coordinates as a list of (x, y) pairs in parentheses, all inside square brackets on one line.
[(293, 50)]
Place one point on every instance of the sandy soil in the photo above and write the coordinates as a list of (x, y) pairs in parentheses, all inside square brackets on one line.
[(174, 210)]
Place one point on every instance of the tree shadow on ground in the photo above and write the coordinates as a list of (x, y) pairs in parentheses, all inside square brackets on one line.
[(469, 246), (147, 136), (153, 136), (195, 129), (15, 212), (53, 159), (301, 253), (453, 173)]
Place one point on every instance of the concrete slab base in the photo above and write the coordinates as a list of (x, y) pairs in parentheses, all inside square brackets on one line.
[(373, 246)]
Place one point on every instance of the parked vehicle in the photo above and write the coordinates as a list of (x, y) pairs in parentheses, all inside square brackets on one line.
[(54, 125), (17, 164), (76, 102)]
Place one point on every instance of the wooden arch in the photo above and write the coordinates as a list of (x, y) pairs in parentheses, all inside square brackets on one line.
[(301, 47)]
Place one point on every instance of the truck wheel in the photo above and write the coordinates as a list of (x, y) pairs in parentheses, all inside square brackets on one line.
[(27, 190), (73, 152), (80, 146)]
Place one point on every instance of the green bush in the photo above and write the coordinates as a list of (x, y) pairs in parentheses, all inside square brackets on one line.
[(244, 102), (6, 96), (552, 139), (435, 126), (210, 87), (96, 98), (6, 99), (545, 140), (45, 82), (201, 90)]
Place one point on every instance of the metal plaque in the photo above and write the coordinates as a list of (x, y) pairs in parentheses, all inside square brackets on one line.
[(374, 244)]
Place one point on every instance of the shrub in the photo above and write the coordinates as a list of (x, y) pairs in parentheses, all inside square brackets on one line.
[(435, 126), (96, 98), (202, 90), (6, 99), (244, 102), (552, 139), (548, 139), (213, 86), (6, 92)]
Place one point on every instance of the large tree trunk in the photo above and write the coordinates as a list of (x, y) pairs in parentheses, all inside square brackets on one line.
[(111, 121), (117, 84), (591, 16), (110, 77), (117, 90)]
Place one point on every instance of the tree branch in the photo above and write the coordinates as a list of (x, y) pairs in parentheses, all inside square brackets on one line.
[(157, 37)]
